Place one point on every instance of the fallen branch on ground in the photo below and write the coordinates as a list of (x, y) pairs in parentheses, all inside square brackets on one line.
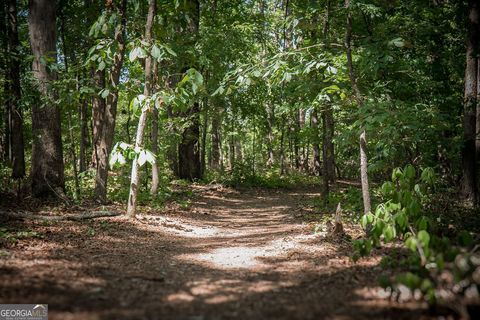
[(71, 217)]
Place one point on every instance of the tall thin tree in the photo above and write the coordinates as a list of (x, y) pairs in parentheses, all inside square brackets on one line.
[(15, 117), (147, 91)]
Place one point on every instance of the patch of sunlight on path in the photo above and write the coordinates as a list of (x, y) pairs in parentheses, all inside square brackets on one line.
[(248, 257)]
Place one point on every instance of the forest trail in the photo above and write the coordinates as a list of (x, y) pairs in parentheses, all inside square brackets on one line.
[(229, 255)]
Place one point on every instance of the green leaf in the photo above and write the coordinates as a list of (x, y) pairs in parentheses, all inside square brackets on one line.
[(367, 220), (424, 238), (150, 157), (396, 174), (155, 52), (170, 51), (101, 65), (397, 42), (104, 93), (401, 220), (409, 172), (411, 243), (142, 158), (422, 223), (389, 233), (219, 90), (133, 55)]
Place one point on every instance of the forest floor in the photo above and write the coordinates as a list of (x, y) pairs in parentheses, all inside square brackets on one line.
[(229, 254)]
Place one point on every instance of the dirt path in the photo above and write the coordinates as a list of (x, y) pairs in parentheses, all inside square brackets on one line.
[(234, 255)]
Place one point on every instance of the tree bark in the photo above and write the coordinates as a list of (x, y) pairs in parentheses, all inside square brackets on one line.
[(216, 147), (47, 152), (328, 147), (15, 117), (135, 178), (154, 137), (367, 207), (363, 142), (189, 164), (471, 144), (106, 134), (270, 138), (83, 113), (315, 143), (204, 136)]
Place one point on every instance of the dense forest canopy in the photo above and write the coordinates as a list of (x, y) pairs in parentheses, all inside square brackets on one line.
[(117, 101)]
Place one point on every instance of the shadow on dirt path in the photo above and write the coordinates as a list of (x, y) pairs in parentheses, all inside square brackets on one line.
[(233, 255)]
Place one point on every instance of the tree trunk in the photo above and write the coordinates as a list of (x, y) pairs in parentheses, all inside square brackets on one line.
[(135, 178), (363, 142), (203, 145), (238, 151), (189, 165), (282, 148), (270, 139), (47, 153), (216, 147), (106, 134), (367, 207), (315, 143), (154, 137), (98, 113), (470, 149), (83, 113), (328, 147), (15, 118)]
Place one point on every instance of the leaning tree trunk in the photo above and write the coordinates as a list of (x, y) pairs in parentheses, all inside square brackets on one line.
[(469, 153), (47, 153), (135, 178), (356, 92), (107, 120), (15, 118)]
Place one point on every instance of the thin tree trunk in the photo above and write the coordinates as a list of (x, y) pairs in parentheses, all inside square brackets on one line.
[(83, 113), (204, 136), (282, 148), (135, 178), (315, 143), (270, 138), (469, 151), (98, 113), (154, 137), (47, 152), (328, 147), (216, 147), (363, 143), (364, 174), (108, 122), (74, 155), (238, 151), (15, 118)]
